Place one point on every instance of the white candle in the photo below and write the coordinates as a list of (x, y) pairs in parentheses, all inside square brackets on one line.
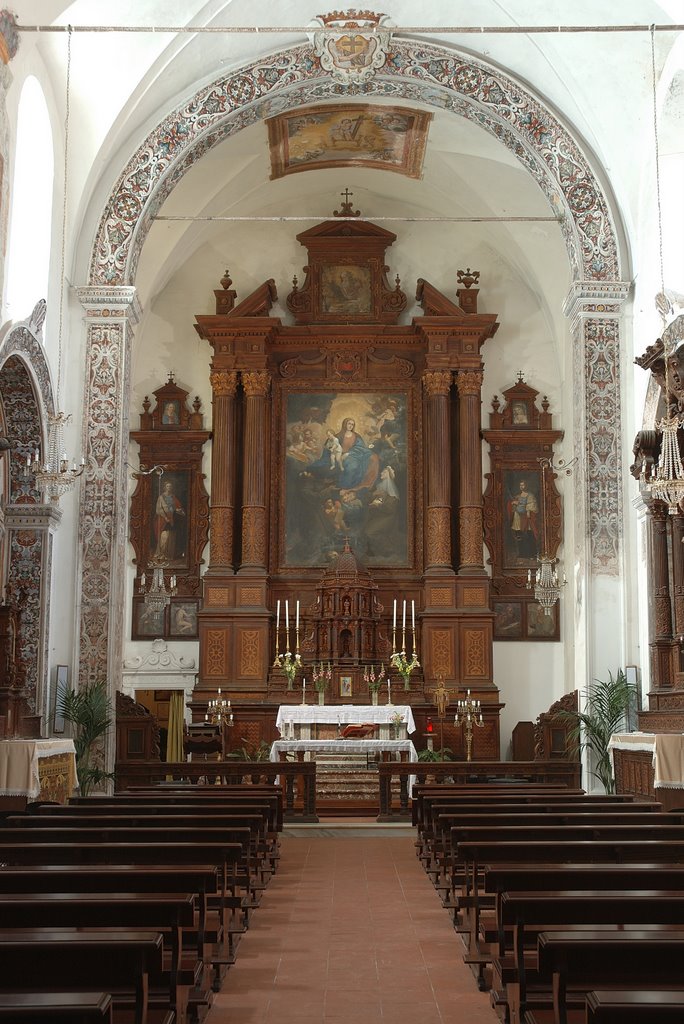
[(303, 685), (403, 616), (277, 616), (413, 617), (297, 615), (394, 621), (287, 614)]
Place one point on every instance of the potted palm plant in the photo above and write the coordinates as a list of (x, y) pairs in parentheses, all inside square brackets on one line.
[(607, 704), (89, 711)]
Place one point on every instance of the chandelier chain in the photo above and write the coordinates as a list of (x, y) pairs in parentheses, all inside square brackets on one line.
[(67, 114)]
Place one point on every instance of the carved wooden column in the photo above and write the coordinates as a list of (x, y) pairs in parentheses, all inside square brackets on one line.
[(677, 522), (437, 384), (661, 668), (223, 386), (469, 386), (256, 385)]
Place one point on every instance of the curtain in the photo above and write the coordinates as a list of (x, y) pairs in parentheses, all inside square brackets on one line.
[(174, 742)]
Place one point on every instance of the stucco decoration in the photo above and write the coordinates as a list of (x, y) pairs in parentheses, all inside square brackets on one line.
[(427, 74)]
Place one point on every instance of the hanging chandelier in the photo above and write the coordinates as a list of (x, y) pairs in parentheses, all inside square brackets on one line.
[(56, 474), (548, 585), (157, 597)]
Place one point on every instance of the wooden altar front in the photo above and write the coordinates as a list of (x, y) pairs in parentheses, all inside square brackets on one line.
[(346, 432)]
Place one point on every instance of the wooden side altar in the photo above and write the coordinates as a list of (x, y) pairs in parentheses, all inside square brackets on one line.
[(346, 473)]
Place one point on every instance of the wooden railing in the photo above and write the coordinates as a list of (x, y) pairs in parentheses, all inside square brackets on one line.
[(565, 773), (298, 778)]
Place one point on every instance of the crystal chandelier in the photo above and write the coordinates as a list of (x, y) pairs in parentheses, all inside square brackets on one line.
[(157, 597), (547, 584), (54, 476)]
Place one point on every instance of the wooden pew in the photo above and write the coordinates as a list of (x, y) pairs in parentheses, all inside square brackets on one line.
[(585, 960), (263, 796), (57, 1007), (527, 914), (168, 913), (119, 962), (652, 1006)]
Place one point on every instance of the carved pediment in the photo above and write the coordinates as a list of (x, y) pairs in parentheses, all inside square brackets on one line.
[(435, 303), (259, 303)]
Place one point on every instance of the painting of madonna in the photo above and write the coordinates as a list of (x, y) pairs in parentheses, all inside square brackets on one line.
[(346, 477)]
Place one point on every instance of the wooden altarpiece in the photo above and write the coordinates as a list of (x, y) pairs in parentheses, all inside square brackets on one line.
[(346, 426), (171, 440), (521, 477)]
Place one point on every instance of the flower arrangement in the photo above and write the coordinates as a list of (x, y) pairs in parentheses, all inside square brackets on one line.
[(322, 674), (373, 680)]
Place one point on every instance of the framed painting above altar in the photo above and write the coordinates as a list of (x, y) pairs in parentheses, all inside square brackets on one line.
[(346, 477)]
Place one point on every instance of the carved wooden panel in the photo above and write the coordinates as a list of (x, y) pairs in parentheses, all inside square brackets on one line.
[(441, 652), (216, 648), (249, 658)]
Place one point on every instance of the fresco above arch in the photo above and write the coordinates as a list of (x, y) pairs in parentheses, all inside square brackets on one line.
[(427, 74)]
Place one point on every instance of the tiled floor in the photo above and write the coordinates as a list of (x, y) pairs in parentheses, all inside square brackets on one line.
[(350, 931)]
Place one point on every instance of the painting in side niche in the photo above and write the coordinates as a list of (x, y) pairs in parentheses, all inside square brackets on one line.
[(348, 135), (345, 289), (168, 518), (522, 518), (346, 476)]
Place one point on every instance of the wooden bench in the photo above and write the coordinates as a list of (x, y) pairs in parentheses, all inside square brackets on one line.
[(526, 914), (168, 913), (118, 962), (58, 1007), (652, 1006), (197, 795)]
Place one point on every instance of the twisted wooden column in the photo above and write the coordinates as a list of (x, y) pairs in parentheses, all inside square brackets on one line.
[(256, 385), (437, 384), (222, 514), (469, 387)]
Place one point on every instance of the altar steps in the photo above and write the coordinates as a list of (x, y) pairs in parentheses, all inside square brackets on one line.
[(347, 783)]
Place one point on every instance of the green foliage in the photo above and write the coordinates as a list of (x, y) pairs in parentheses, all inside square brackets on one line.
[(251, 751), (90, 713), (442, 754), (607, 704)]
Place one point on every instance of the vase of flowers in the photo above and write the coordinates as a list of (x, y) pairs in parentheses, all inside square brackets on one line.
[(321, 675), (373, 680)]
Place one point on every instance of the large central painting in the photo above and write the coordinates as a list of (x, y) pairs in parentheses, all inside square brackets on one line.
[(347, 477)]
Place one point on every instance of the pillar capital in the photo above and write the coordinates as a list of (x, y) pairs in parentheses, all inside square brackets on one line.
[(223, 383), (469, 382), (437, 382), (118, 302), (596, 299), (256, 383)]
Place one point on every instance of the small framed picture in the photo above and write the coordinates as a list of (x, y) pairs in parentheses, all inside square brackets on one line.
[(61, 687), (345, 686), (183, 620), (508, 620), (149, 623), (170, 416), (540, 625), (520, 413)]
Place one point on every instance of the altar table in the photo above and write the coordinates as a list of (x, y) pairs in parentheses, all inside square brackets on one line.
[(666, 749), (38, 768), (405, 748), (344, 714)]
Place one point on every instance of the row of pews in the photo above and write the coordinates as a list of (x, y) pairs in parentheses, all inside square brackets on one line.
[(129, 909), (570, 906)]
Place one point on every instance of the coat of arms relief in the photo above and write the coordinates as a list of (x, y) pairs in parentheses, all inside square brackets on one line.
[(351, 45)]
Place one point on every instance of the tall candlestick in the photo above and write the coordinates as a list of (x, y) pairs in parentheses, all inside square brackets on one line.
[(403, 626)]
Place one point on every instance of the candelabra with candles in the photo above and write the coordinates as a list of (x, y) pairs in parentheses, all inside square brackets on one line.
[(405, 662), (288, 661), (469, 714), (219, 711)]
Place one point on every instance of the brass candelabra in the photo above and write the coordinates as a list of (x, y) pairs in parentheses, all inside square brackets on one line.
[(469, 714)]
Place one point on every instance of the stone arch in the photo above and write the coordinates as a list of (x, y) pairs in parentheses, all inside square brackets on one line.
[(428, 74), (27, 401)]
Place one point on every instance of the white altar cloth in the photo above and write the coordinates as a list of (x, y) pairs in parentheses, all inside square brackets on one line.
[(345, 714), (19, 764), (668, 754)]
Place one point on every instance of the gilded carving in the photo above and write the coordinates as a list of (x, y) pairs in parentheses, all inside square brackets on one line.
[(437, 382), (470, 535), (223, 383), (473, 597), (250, 651), (440, 597), (216, 647), (438, 543), (469, 382), (221, 536), (256, 383), (441, 656), (253, 535), (474, 648), (217, 596)]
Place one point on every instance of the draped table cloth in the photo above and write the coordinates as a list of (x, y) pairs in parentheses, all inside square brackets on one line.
[(345, 714), (38, 768)]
